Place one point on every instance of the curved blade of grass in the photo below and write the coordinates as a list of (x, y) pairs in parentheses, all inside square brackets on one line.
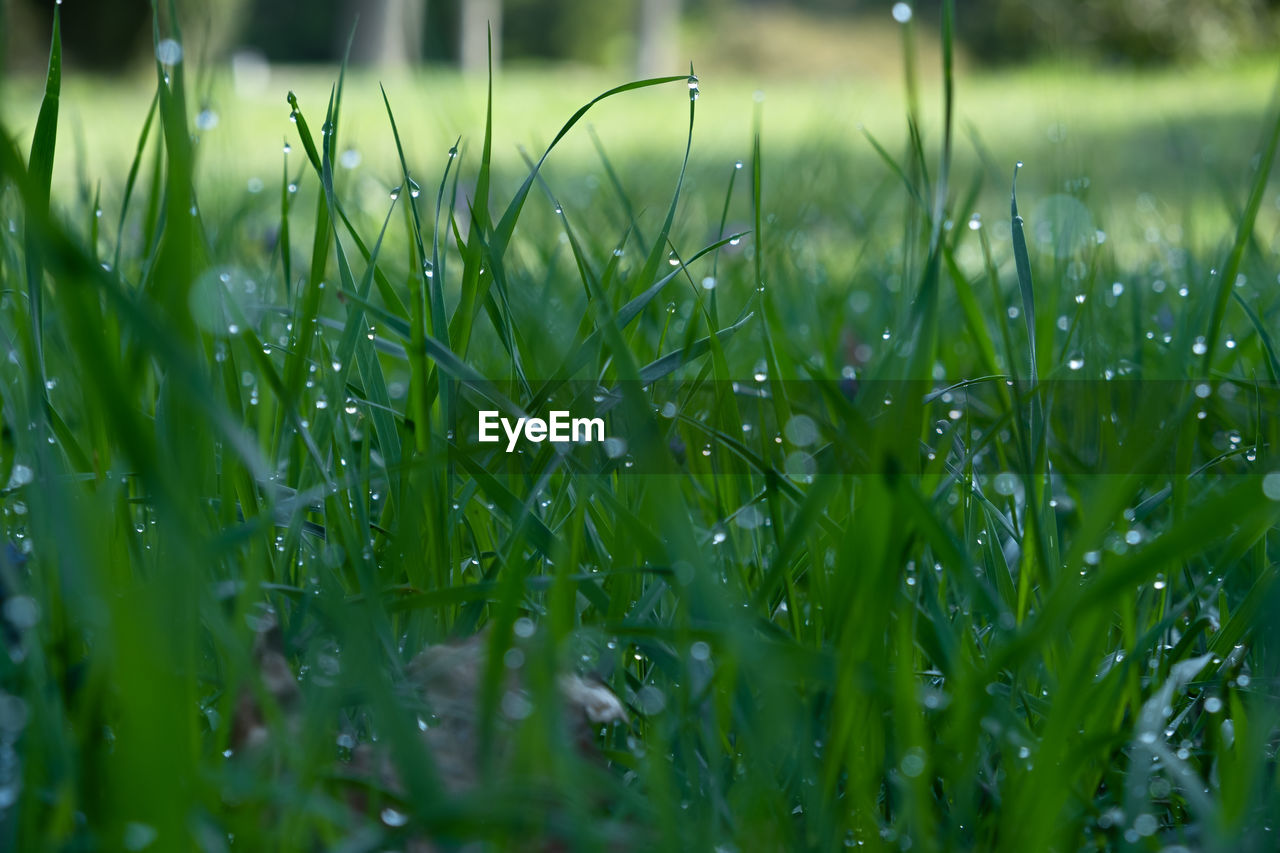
[(1268, 347), (1244, 232), (133, 175), (673, 361), (464, 317), (40, 171)]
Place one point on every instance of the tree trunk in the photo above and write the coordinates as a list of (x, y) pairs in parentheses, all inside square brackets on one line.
[(389, 33), (657, 41), (478, 16)]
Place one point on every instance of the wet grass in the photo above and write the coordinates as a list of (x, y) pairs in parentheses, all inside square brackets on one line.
[(921, 525)]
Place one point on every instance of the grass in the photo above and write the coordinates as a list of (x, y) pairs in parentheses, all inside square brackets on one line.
[(918, 530)]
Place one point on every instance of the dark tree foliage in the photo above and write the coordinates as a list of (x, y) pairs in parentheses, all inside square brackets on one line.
[(111, 34), (105, 34), (1120, 31), (296, 30)]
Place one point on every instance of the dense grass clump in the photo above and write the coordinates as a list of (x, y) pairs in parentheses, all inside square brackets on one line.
[(949, 532)]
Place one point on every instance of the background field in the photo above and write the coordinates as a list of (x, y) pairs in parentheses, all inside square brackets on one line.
[(918, 531)]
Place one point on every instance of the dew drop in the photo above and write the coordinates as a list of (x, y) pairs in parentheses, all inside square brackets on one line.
[(169, 52), (393, 818), (1270, 485)]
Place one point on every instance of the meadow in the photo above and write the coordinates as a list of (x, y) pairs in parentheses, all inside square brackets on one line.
[(933, 517)]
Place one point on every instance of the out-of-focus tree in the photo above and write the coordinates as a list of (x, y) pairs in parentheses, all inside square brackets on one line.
[(586, 31), (477, 19), (389, 32), (112, 34), (657, 37), (289, 31), (1136, 31)]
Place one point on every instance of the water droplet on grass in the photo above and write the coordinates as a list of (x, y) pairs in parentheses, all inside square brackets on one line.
[(393, 818), (139, 836), (206, 119), (901, 12), (516, 705), (1270, 485), (169, 52), (22, 612), (801, 431)]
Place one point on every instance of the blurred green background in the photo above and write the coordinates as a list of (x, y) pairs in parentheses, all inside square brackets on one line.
[(773, 37), (1171, 90)]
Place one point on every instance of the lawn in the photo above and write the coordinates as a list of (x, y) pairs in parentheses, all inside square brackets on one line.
[(919, 525)]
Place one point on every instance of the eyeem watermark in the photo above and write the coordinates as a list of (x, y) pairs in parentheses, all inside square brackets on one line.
[(558, 427)]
